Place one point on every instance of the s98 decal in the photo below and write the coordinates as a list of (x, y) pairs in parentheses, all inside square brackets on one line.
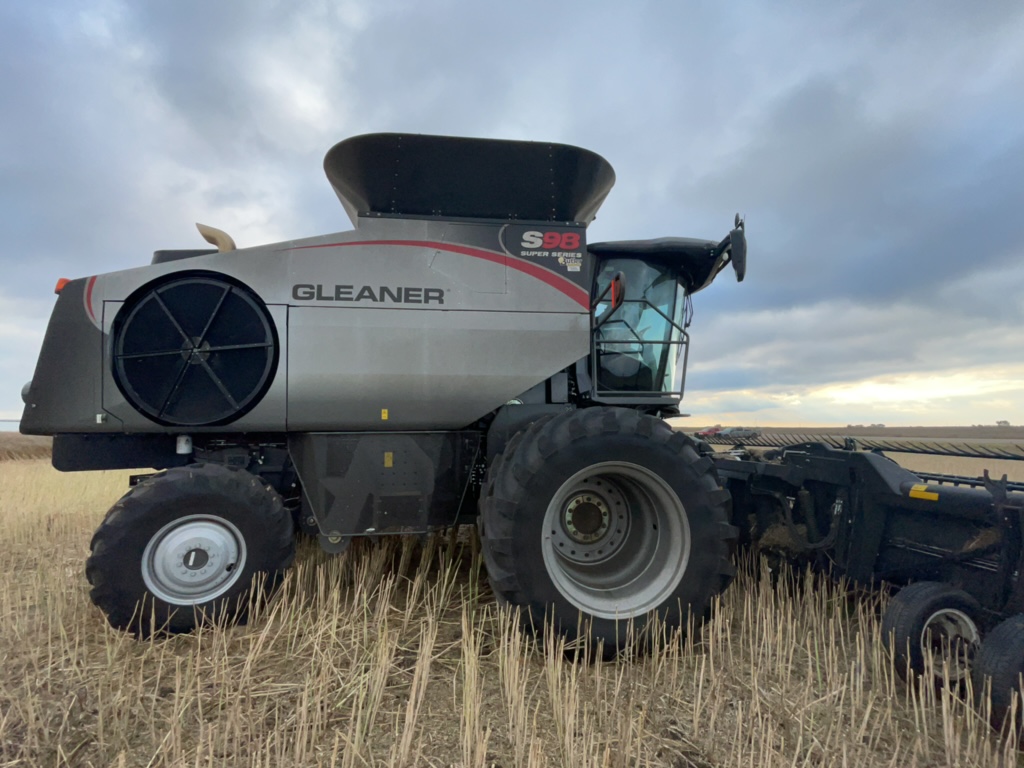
[(560, 249), (551, 241)]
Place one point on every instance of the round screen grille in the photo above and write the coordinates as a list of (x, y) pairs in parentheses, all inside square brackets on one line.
[(194, 351)]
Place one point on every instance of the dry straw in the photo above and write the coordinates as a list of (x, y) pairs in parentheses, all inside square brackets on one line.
[(395, 653)]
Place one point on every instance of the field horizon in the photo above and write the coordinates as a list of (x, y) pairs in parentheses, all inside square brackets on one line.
[(972, 432)]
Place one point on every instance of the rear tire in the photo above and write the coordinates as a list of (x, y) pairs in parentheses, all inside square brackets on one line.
[(607, 515), (932, 619), (182, 548)]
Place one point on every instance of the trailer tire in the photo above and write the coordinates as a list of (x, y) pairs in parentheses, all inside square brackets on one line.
[(229, 525), (1001, 661), (605, 515), (929, 618)]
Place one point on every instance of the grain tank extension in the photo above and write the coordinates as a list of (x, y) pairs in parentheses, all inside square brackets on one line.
[(462, 354)]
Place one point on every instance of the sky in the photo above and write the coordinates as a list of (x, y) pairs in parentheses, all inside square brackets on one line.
[(876, 150)]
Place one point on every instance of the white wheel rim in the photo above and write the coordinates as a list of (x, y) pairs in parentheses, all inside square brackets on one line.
[(616, 540), (193, 560), (951, 634)]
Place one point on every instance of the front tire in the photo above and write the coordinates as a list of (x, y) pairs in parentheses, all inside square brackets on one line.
[(608, 514), (182, 548)]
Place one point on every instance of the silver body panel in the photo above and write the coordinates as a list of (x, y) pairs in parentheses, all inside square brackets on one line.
[(433, 324), (396, 369)]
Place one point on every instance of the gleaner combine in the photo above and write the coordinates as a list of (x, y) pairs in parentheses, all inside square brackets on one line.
[(465, 355)]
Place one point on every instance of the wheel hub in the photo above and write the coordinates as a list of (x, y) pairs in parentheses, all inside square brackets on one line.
[(592, 524), (587, 518), (195, 559)]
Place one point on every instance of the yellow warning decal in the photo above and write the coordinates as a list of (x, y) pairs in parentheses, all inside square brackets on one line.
[(389, 460), (383, 414), (922, 492)]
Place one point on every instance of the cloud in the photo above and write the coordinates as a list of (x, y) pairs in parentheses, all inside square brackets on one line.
[(922, 391), (983, 394), (874, 148), (842, 361), (841, 339)]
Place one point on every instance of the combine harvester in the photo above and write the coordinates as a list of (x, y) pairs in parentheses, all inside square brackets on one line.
[(464, 355)]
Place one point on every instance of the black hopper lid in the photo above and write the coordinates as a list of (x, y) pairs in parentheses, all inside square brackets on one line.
[(450, 177)]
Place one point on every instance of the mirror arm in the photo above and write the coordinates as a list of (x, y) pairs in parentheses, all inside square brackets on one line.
[(600, 298)]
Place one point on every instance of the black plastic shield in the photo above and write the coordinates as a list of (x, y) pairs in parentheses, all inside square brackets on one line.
[(369, 484), (450, 177)]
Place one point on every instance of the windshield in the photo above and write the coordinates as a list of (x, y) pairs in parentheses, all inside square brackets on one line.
[(638, 347)]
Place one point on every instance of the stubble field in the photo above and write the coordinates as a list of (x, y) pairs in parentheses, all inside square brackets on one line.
[(395, 654)]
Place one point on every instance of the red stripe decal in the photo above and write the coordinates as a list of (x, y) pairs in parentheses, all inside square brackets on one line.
[(88, 298), (556, 281)]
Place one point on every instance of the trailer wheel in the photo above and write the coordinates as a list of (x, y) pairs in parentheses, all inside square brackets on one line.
[(932, 621), (182, 548), (607, 515), (1000, 659)]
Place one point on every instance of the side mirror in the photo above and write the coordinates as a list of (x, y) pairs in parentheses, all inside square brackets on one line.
[(617, 289), (738, 249)]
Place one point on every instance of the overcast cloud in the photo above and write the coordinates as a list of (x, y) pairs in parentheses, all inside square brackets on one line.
[(876, 149)]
